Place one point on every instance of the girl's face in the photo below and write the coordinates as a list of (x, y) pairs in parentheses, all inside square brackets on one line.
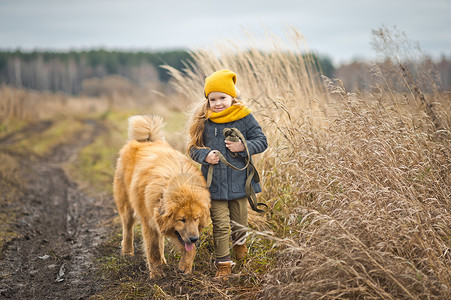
[(219, 101)]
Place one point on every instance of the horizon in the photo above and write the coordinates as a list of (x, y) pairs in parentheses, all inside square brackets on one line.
[(339, 31)]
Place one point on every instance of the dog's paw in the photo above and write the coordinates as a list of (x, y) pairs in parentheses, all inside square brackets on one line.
[(128, 253), (127, 249), (156, 273), (184, 268)]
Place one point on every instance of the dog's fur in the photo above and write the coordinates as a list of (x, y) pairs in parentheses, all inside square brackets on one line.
[(164, 189)]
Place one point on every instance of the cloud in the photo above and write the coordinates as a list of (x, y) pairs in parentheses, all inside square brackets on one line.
[(341, 29)]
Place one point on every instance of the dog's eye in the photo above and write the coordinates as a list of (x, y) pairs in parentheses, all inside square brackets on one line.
[(183, 220)]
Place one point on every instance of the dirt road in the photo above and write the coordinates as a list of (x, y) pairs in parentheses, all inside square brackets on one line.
[(60, 228)]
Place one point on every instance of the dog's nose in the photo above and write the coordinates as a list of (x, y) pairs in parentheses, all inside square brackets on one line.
[(193, 239)]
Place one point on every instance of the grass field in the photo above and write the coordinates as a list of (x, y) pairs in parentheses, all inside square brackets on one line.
[(358, 184)]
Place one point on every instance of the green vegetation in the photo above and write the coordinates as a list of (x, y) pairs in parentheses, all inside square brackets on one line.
[(10, 190), (12, 126), (95, 164), (61, 132)]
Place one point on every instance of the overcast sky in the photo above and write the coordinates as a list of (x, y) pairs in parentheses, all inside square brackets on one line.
[(338, 29)]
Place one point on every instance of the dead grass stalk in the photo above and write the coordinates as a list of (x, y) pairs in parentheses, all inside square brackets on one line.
[(359, 184)]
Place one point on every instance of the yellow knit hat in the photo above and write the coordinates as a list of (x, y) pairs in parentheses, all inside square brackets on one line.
[(221, 81)]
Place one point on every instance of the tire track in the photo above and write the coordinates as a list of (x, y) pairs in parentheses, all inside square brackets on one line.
[(61, 228)]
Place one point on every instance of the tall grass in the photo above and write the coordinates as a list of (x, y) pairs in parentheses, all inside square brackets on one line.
[(98, 96), (359, 184), (32, 106)]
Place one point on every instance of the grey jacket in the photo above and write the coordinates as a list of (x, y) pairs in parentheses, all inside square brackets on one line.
[(227, 183)]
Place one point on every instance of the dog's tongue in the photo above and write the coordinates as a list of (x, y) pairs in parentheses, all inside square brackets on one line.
[(189, 247)]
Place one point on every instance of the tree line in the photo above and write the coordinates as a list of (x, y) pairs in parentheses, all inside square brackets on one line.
[(66, 71)]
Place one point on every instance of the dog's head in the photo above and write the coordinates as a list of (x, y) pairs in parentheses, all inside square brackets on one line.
[(184, 210)]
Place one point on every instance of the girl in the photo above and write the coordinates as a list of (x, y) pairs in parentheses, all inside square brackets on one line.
[(229, 203)]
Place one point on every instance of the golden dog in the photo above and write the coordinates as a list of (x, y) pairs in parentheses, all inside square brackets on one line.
[(164, 189)]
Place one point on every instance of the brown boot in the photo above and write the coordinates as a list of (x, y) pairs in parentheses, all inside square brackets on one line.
[(224, 270), (240, 252)]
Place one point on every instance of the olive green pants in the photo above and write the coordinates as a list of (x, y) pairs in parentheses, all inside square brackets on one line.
[(222, 214)]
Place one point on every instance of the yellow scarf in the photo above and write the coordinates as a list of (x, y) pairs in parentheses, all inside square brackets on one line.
[(233, 113)]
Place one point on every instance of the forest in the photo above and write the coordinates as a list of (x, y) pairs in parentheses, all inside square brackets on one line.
[(66, 71)]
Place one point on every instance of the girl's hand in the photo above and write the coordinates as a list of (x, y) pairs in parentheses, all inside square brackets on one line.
[(212, 157), (235, 146)]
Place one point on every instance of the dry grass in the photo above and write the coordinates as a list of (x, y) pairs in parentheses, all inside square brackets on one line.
[(98, 96), (359, 185), (31, 106), (370, 212)]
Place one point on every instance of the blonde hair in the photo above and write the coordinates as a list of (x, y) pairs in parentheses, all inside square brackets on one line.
[(197, 124)]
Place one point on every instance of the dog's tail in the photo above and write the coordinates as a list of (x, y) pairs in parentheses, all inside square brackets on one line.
[(145, 128)]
